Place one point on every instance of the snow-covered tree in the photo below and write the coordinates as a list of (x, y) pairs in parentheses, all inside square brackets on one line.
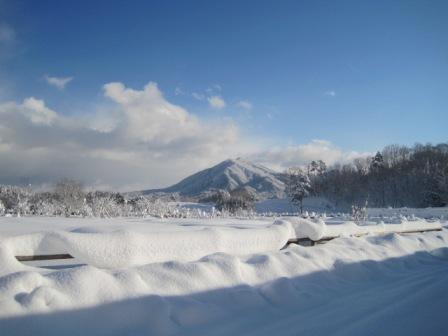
[(71, 195), (298, 186), (234, 202), (315, 171), (377, 162), (316, 168)]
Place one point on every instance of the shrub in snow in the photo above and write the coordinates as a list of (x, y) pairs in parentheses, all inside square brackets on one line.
[(104, 204), (359, 212)]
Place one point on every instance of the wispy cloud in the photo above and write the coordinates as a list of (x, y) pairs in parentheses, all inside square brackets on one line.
[(216, 102), (198, 96), (214, 88), (178, 91), (8, 41), (245, 105), (58, 82), (330, 93), (7, 34)]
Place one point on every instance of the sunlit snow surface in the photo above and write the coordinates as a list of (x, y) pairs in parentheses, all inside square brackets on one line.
[(221, 277)]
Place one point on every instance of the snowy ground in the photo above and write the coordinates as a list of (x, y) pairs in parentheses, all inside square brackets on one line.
[(320, 205), (222, 277)]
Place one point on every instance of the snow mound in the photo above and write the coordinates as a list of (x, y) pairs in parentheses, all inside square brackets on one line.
[(317, 229), (267, 293), (124, 248), (128, 248)]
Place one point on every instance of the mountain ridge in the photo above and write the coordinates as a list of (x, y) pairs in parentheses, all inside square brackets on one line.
[(231, 174)]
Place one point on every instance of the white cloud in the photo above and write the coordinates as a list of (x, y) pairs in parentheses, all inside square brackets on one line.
[(281, 158), (150, 117), (330, 93), (245, 104), (59, 82), (141, 141), (216, 102), (38, 113)]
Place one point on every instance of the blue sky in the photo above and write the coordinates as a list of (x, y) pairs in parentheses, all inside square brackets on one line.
[(358, 74)]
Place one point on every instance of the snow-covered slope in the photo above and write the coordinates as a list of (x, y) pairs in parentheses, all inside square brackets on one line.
[(230, 175)]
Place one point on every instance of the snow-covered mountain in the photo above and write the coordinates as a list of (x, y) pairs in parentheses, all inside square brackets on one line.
[(230, 175)]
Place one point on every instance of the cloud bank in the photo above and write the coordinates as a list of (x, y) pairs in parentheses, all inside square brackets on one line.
[(140, 141), (281, 158)]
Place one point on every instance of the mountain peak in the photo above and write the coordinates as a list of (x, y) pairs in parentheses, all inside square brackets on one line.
[(234, 161), (229, 175)]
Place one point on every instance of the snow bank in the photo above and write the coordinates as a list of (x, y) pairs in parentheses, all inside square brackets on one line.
[(275, 292), (304, 228), (316, 229), (124, 248), (134, 247)]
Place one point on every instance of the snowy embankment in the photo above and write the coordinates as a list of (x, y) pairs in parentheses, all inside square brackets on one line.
[(318, 229), (127, 247), (353, 284)]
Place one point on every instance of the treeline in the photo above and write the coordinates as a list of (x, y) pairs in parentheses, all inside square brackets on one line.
[(68, 198), (397, 176), (238, 202)]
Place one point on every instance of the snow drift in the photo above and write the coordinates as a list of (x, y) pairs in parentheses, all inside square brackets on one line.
[(127, 248), (317, 229), (353, 284), (124, 248), (389, 283)]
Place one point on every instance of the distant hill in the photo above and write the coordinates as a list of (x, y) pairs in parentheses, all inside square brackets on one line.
[(230, 175)]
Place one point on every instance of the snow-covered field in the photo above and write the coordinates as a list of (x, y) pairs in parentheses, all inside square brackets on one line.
[(223, 276), (321, 205)]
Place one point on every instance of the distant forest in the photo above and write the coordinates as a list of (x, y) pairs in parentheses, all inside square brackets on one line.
[(397, 176)]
